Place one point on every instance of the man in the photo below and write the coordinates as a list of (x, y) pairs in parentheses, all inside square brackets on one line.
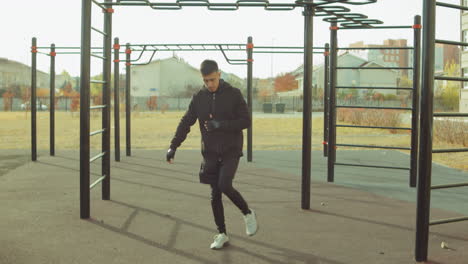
[(222, 115)]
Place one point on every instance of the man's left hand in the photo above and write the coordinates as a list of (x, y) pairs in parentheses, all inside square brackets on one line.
[(212, 125)]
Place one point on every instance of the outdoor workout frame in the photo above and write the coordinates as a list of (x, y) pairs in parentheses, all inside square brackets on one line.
[(249, 48), (142, 48), (330, 137), (53, 52), (311, 9), (426, 122)]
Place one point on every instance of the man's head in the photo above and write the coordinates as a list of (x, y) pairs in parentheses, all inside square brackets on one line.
[(211, 75)]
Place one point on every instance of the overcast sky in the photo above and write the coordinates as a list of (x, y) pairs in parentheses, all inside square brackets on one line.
[(59, 22)]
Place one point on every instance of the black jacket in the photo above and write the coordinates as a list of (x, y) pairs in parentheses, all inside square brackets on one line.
[(226, 105)]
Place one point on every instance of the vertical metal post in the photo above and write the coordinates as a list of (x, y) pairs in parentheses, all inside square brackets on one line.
[(84, 107), (106, 93), (52, 99), (425, 144), (128, 136), (415, 104), (116, 100), (326, 84), (249, 96), (307, 109), (332, 103), (33, 99)]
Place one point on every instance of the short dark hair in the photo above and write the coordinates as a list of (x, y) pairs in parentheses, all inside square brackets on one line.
[(208, 67)]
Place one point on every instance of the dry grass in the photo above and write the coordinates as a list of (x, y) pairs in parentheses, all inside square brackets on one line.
[(155, 130)]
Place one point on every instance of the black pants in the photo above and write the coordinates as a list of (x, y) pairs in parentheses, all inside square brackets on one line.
[(226, 169)]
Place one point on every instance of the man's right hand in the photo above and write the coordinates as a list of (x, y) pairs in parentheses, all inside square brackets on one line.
[(170, 155)]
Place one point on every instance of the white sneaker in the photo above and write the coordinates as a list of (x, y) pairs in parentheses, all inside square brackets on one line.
[(251, 226), (219, 241)]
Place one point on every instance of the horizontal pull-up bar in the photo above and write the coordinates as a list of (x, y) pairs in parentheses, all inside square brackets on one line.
[(178, 4), (377, 127), (459, 7), (376, 27), (369, 146), (450, 42), (371, 166), (374, 107), (449, 150), (448, 78), (372, 88), (376, 48), (97, 182), (448, 220), (374, 68), (445, 186), (451, 114)]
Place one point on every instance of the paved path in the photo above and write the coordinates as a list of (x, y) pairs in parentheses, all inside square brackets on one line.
[(159, 213)]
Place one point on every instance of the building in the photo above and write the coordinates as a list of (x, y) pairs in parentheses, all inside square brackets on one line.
[(166, 77), (444, 54), (15, 75), (385, 57), (351, 78)]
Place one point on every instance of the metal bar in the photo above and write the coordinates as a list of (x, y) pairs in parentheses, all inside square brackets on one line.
[(448, 220), (376, 48), (148, 62), (99, 4), (376, 88), (128, 145), (374, 68), (445, 186), (44, 53), (212, 6), (52, 101), (97, 56), (285, 52), (367, 146), (97, 81), (308, 14), (459, 7), (425, 131), (98, 31), (378, 127), (450, 42), (370, 166), (96, 132), (100, 155), (116, 100), (415, 104), (374, 107), (326, 88), (97, 182), (332, 107), (377, 27), (97, 107), (451, 114), (230, 60), (66, 48), (448, 78), (250, 97), (84, 108), (449, 150), (106, 100), (33, 100), (141, 53)]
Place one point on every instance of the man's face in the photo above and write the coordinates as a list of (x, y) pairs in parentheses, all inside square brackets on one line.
[(212, 81)]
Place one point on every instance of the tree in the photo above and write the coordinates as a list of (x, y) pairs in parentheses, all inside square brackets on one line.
[(285, 82), (449, 92), (8, 100)]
